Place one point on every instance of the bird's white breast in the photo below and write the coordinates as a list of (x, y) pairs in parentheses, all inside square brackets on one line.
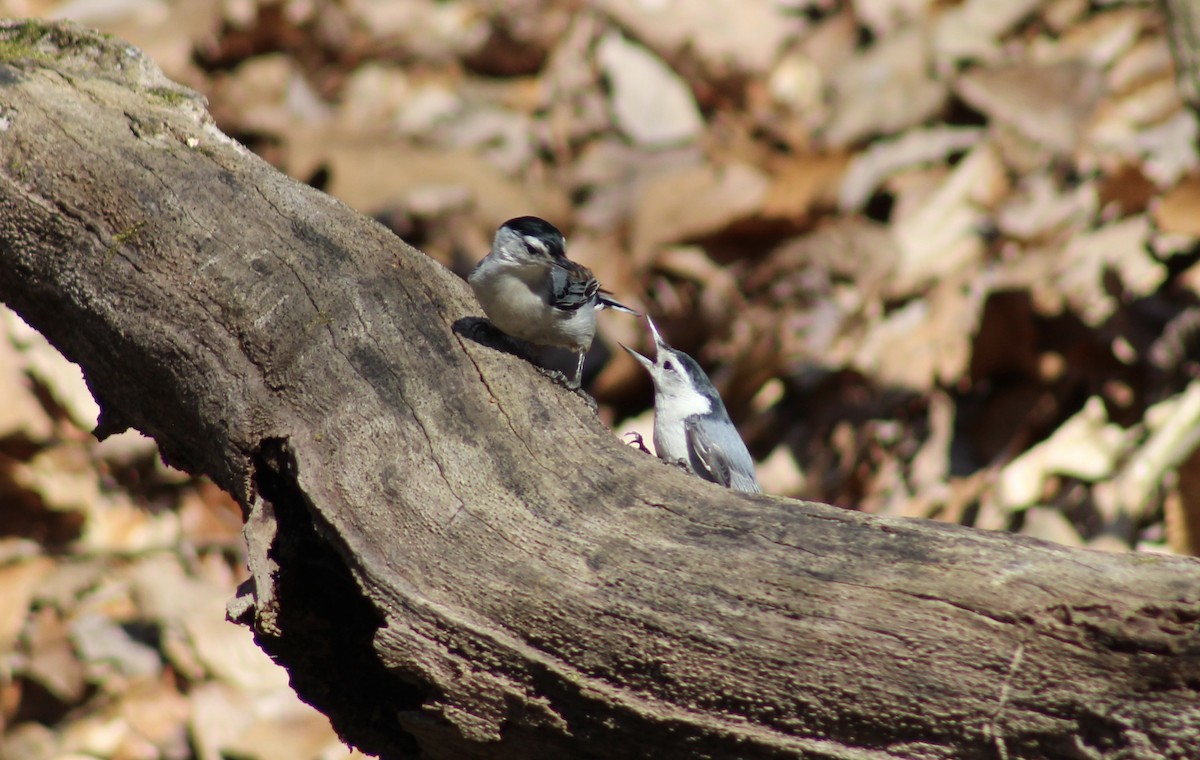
[(670, 442), (670, 438), (515, 299)]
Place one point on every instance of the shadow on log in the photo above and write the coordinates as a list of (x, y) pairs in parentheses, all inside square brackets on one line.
[(454, 558)]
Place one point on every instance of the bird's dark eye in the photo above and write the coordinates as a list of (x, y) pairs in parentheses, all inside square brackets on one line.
[(668, 366)]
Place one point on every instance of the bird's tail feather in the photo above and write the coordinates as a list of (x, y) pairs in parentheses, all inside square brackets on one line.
[(604, 300)]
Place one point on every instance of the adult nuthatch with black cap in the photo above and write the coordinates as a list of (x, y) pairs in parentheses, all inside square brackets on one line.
[(530, 290), (690, 422)]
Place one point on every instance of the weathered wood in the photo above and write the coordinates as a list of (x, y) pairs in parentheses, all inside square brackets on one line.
[(454, 558)]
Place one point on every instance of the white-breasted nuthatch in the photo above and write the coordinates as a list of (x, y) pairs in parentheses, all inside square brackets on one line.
[(530, 290), (690, 422)]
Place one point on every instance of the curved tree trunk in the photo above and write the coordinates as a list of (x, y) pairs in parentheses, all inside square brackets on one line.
[(454, 558)]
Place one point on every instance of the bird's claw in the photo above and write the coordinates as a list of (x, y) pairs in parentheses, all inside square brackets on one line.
[(572, 385), (591, 402), (636, 439), (558, 377)]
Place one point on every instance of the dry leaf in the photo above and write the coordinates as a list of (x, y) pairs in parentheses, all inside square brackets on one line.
[(33, 741), (268, 94), (802, 183), (50, 658), (117, 524), (1179, 210), (1119, 247), (45, 364), (797, 83), (1040, 208), (125, 449), (1047, 104), (883, 16), (18, 583), (884, 158), (1174, 434), (737, 35), (888, 492), (1050, 525), (101, 735), (286, 730), (227, 722), (501, 136), (1099, 39), (105, 647), (374, 97), (653, 106), (1087, 447), (63, 477), (912, 347), (21, 414), (938, 233), (1149, 104), (781, 475), (371, 174), (931, 465), (431, 31), (971, 30), (219, 714), (1148, 59), (427, 107), (1182, 508), (194, 616), (677, 206), (885, 90), (159, 714)]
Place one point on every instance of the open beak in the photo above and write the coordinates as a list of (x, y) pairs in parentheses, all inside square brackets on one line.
[(658, 345), (641, 359)]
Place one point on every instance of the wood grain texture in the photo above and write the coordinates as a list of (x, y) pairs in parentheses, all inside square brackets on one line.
[(454, 558)]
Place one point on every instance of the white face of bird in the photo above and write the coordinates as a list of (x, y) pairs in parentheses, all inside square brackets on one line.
[(528, 240), (681, 387)]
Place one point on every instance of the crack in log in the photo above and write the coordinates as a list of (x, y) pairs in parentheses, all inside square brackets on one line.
[(991, 731)]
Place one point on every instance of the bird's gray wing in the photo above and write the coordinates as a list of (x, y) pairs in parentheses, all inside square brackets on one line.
[(717, 454), (571, 286)]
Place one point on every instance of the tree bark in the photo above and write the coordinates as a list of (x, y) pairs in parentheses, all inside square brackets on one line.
[(454, 558)]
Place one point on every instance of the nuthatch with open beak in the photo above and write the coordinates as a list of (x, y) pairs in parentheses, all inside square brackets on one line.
[(691, 425)]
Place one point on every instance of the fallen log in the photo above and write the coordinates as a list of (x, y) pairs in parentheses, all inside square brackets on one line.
[(452, 556)]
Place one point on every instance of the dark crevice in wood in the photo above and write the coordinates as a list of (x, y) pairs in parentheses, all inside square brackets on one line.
[(326, 624)]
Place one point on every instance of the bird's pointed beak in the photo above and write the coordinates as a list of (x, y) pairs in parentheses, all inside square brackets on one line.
[(659, 343), (641, 359), (646, 361)]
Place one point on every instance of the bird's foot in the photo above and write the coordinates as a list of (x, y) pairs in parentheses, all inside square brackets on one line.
[(591, 402), (558, 377), (636, 439), (572, 385)]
